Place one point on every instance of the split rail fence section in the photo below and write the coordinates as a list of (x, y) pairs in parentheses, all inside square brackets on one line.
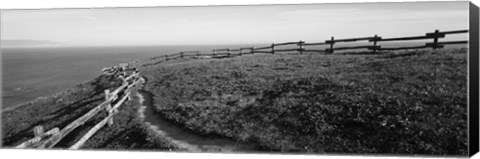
[(113, 100), (330, 44)]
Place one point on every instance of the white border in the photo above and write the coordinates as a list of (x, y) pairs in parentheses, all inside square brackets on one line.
[(63, 154), (37, 4)]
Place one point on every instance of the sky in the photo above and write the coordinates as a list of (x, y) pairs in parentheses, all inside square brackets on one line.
[(231, 24)]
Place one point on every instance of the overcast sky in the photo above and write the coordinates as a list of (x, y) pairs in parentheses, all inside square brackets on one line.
[(231, 24)]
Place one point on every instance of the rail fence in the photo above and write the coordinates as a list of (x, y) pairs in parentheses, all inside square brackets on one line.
[(299, 46), (113, 101)]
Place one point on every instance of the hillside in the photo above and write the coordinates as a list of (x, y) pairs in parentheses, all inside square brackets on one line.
[(127, 132), (398, 102)]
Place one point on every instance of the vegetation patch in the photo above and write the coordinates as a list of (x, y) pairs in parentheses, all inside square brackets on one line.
[(397, 102), (127, 132)]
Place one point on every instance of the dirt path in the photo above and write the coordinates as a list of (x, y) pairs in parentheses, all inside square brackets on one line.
[(182, 137)]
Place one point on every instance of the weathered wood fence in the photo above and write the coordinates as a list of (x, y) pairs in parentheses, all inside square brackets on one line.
[(299, 46), (113, 100)]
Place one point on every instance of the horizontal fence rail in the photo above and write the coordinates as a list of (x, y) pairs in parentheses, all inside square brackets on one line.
[(353, 47), (404, 48), (283, 50), (117, 97), (287, 43), (406, 38), (349, 40), (262, 48), (328, 46), (308, 44)]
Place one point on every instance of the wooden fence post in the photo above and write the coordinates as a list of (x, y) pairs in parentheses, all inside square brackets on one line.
[(129, 95), (435, 39), (110, 111), (331, 45), (300, 45), (181, 55), (107, 95), (166, 57), (214, 52), (228, 53), (241, 52), (375, 44), (252, 50), (273, 48), (109, 105), (38, 130)]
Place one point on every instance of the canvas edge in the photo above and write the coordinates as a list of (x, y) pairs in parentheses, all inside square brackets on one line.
[(473, 111)]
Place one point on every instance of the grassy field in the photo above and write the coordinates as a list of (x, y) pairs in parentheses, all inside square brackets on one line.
[(399, 102), (127, 132)]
